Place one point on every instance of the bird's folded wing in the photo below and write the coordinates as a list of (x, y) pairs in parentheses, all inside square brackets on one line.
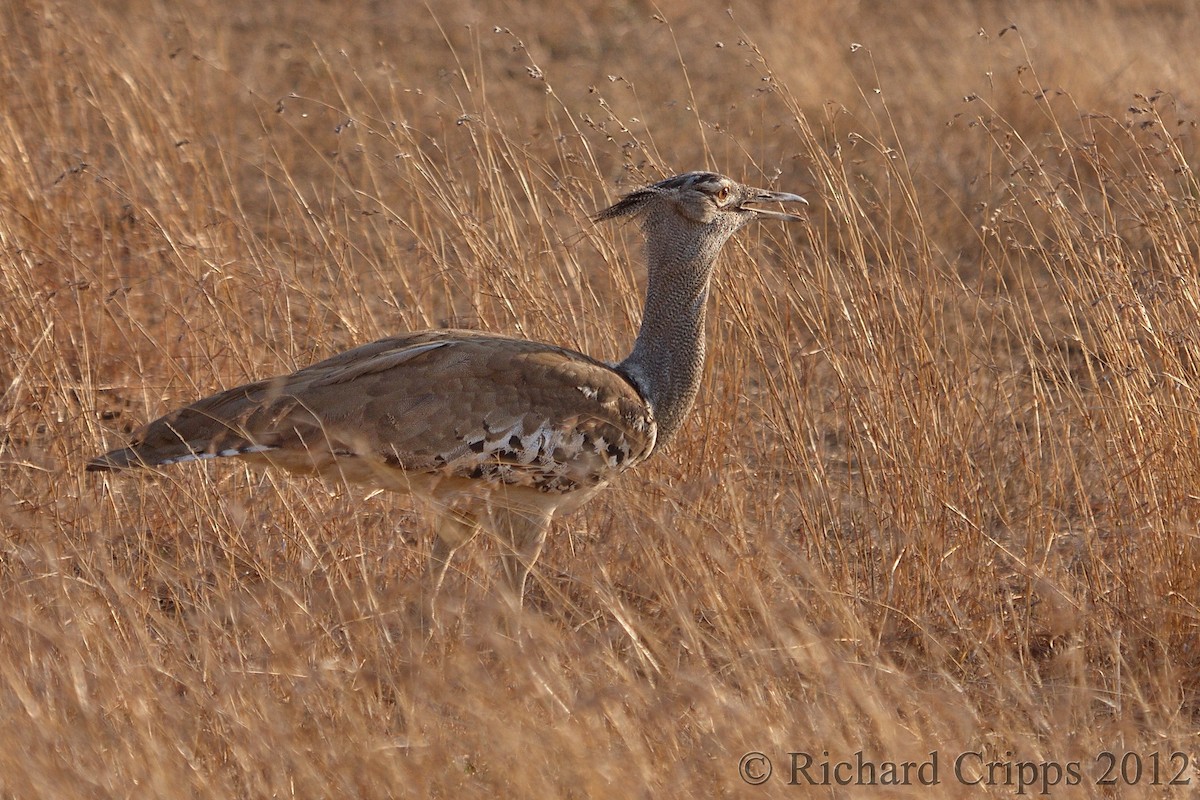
[(455, 402)]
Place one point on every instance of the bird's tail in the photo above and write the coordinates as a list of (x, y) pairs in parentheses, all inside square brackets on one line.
[(215, 427), (141, 456)]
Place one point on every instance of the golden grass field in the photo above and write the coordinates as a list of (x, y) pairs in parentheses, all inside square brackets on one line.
[(940, 493)]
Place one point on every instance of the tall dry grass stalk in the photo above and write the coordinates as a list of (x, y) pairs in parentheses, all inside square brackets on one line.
[(939, 493)]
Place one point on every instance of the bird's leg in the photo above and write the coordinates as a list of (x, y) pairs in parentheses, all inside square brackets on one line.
[(454, 528), (522, 534)]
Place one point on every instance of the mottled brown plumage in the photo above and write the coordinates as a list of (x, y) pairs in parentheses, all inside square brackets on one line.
[(567, 424), (491, 430)]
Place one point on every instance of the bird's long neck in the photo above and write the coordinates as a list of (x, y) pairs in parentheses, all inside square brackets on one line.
[(667, 360)]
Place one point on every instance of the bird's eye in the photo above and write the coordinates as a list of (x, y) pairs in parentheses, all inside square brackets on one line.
[(722, 194)]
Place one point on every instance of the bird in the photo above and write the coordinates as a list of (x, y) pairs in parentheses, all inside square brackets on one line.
[(490, 431)]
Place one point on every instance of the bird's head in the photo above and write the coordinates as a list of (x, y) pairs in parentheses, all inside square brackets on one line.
[(703, 198)]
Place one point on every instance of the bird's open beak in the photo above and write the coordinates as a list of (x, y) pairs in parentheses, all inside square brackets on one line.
[(774, 197)]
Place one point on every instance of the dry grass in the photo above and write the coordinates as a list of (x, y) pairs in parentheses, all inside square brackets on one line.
[(941, 491)]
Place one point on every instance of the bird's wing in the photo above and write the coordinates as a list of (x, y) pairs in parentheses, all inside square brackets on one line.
[(452, 402)]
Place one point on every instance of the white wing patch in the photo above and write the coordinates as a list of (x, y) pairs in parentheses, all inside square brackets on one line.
[(550, 458), (228, 452)]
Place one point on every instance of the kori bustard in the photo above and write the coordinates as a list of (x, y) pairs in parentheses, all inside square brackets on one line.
[(491, 431)]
